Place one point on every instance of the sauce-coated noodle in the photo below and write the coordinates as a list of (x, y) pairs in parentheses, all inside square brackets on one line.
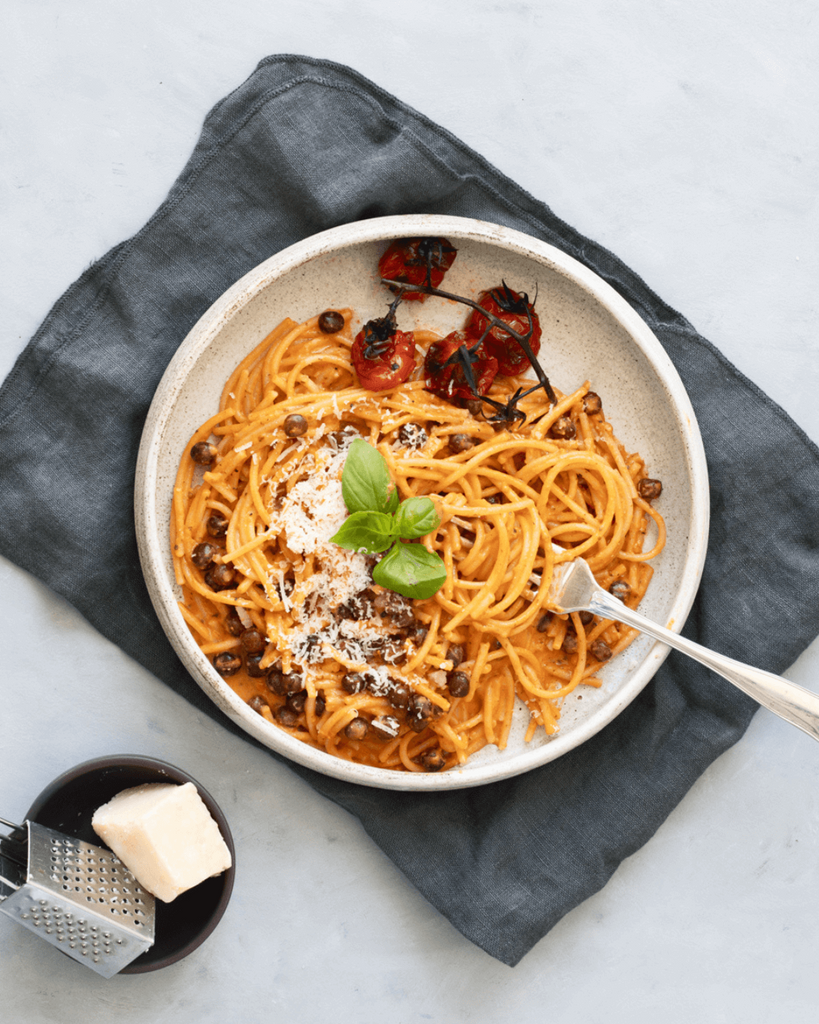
[(295, 623)]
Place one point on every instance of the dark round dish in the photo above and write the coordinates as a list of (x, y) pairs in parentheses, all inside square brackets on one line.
[(69, 803)]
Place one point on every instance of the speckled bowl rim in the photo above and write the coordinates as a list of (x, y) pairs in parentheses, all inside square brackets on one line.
[(153, 542)]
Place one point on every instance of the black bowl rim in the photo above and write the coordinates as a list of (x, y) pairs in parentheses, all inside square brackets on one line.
[(177, 775)]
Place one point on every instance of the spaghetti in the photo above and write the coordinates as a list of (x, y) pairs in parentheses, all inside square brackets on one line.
[(295, 623)]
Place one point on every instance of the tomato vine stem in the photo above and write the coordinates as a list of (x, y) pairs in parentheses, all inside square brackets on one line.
[(521, 339)]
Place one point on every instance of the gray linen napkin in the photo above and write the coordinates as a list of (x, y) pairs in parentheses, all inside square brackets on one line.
[(302, 146)]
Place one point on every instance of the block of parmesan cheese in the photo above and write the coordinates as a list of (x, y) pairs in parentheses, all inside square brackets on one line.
[(165, 835)]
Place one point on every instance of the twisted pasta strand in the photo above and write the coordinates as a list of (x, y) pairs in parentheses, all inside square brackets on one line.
[(503, 498)]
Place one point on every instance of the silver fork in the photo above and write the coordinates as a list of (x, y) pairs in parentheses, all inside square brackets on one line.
[(574, 589)]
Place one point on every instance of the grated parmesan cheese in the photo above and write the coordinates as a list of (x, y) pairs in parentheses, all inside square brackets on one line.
[(287, 451), (309, 515)]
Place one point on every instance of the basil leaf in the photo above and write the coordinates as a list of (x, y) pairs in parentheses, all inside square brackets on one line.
[(410, 570), (365, 531), (393, 502), (416, 517), (365, 481)]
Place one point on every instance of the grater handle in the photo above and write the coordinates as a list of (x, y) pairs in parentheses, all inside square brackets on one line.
[(11, 860), (20, 839), (8, 883), (7, 864)]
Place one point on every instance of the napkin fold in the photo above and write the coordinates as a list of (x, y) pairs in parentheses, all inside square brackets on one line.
[(304, 145)]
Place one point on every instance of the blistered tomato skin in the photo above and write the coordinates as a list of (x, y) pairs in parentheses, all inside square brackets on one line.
[(515, 310), (417, 261), (444, 371), (383, 364)]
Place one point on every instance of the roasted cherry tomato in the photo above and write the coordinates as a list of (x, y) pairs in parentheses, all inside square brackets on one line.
[(512, 308), (417, 261), (445, 368), (383, 356)]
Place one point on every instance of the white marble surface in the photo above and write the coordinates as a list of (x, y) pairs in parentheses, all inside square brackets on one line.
[(682, 136)]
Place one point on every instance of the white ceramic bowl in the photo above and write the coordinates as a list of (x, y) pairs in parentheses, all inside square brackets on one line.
[(589, 332)]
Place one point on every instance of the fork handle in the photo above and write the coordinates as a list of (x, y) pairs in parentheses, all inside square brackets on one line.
[(790, 701)]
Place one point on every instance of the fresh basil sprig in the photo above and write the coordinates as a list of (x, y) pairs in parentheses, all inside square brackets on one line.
[(365, 482), (411, 570), (378, 521)]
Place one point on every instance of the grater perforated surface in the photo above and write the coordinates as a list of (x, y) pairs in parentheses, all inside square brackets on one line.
[(82, 899)]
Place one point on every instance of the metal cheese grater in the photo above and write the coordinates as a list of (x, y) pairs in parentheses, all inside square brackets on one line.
[(78, 897)]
